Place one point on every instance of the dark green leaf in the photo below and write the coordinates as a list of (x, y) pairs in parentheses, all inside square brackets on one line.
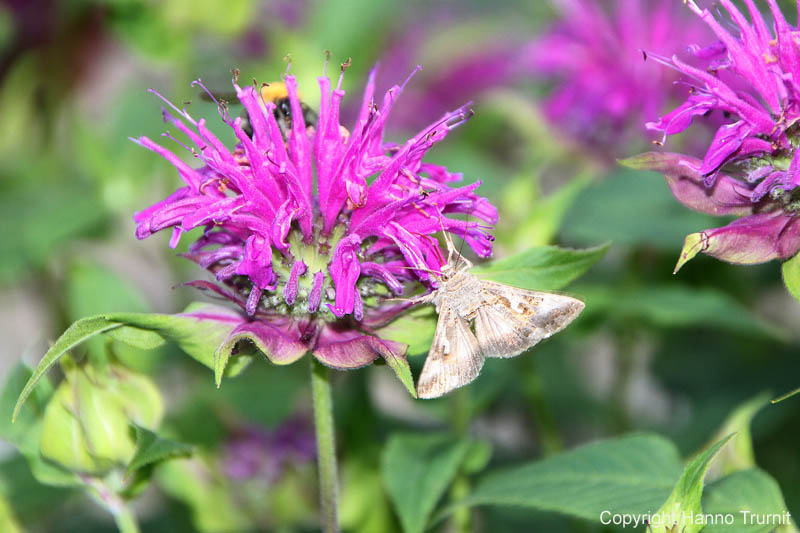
[(674, 305), (151, 449), (787, 395), (631, 474), (417, 470), (633, 207), (541, 268)]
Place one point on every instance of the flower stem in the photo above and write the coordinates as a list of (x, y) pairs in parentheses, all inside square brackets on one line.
[(126, 521), (123, 516), (460, 415), (326, 445)]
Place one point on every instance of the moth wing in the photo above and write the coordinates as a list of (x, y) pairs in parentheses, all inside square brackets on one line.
[(511, 320), (454, 359)]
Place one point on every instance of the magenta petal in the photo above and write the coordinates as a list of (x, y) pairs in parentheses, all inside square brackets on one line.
[(345, 270), (727, 140), (749, 240), (727, 196), (281, 345), (346, 348)]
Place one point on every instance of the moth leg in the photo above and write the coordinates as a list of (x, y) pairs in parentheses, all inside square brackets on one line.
[(419, 299)]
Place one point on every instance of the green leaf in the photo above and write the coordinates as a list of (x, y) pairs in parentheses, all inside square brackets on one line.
[(151, 449), (414, 328), (77, 333), (630, 474), (66, 212), (531, 221), (541, 268), (632, 207), (674, 305), (787, 395), (25, 432), (791, 275), (402, 370), (197, 331), (742, 495), (136, 337), (211, 502), (417, 469), (739, 455), (684, 501)]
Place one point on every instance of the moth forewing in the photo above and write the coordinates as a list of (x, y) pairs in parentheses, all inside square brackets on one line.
[(508, 321), (511, 320), (454, 359)]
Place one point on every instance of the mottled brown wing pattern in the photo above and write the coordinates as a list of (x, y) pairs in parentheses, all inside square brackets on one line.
[(454, 359), (511, 320)]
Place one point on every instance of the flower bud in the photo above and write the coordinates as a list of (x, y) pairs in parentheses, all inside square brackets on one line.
[(87, 423)]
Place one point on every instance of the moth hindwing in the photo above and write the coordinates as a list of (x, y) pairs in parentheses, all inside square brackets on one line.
[(508, 320)]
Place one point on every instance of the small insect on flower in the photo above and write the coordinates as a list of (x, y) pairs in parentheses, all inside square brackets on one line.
[(273, 92), (508, 321)]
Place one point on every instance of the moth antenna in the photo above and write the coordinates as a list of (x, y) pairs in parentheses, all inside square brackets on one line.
[(423, 269), (448, 241), (460, 248)]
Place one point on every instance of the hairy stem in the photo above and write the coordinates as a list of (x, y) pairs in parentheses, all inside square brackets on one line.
[(326, 445)]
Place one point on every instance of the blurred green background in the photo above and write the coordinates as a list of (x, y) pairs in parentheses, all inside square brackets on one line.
[(653, 351)]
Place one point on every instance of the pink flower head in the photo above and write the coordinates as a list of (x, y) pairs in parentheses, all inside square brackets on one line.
[(593, 56), (309, 226), (752, 167)]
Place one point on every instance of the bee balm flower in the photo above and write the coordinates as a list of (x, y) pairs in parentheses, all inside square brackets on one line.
[(307, 227), (601, 86), (752, 167)]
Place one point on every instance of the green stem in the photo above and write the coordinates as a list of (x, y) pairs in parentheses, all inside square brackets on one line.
[(126, 521), (326, 445), (123, 516)]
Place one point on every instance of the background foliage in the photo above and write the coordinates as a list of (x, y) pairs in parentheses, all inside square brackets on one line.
[(657, 369)]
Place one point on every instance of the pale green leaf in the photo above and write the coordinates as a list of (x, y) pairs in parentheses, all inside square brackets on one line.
[(739, 454), (414, 328), (402, 370), (77, 333), (791, 275), (417, 469), (685, 500)]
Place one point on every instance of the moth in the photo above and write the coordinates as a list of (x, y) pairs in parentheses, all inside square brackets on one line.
[(507, 321)]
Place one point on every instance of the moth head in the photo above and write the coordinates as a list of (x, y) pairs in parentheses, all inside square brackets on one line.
[(447, 271)]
